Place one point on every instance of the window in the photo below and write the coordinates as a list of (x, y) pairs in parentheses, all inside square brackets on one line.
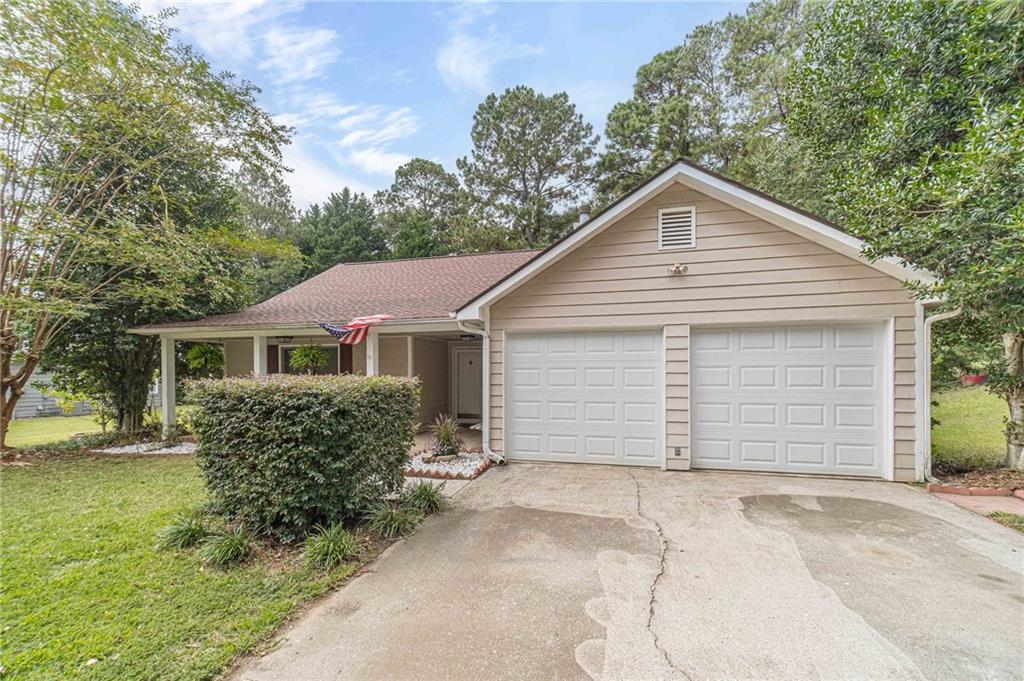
[(677, 228)]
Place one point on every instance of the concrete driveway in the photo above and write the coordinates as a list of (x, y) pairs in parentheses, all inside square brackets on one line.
[(575, 572)]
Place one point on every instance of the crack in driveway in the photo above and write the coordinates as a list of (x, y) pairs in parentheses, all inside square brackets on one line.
[(657, 578)]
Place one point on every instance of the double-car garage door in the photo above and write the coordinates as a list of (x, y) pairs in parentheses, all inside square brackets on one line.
[(801, 399)]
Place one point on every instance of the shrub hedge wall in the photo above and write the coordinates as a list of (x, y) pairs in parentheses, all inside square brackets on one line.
[(286, 453)]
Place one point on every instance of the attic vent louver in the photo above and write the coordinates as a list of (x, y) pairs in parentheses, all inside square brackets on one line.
[(677, 228)]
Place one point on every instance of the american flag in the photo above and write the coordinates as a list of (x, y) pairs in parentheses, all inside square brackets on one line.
[(355, 331)]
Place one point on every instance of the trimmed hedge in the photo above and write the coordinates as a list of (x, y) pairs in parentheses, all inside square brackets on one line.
[(286, 453)]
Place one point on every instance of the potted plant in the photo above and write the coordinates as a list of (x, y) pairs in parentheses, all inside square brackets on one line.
[(308, 359)]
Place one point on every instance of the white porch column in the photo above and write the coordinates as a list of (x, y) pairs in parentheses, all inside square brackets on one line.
[(372, 354), (167, 381), (409, 356), (259, 355)]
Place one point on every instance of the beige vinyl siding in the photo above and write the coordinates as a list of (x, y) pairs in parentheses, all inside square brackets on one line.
[(430, 365), (238, 357), (743, 271), (394, 355), (359, 358)]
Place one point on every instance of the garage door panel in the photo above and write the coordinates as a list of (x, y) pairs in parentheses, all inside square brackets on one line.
[(799, 399), (589, 397)]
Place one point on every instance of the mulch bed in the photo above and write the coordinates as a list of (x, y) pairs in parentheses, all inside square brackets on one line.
[(996, 477)]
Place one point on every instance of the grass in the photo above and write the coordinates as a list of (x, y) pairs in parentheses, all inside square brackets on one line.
[(970, 430), (331, 545), (1012, 520), (46, 429), (84, 579)]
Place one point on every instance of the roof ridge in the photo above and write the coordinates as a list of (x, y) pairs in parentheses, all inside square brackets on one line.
[(434, 257)]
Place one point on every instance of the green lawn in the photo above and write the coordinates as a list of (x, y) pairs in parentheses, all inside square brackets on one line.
[(46, 429), (1012, 520), (970, 430), (82, 580)]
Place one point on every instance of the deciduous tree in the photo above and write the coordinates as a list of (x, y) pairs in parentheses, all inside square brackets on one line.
[(98, 106), (915, 112)]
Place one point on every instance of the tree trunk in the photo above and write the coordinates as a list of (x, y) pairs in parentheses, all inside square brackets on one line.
[(133, 397), (1013, 347), (12, 387)]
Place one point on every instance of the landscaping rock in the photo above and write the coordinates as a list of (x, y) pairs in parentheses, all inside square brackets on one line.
[(464, 466)]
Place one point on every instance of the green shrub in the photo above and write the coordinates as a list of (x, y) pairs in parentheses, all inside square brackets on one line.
[(425, 498), (330, 546), (187, 530), (227, 547), (77, 443), (392, 521), (446, 436), (288, 453)]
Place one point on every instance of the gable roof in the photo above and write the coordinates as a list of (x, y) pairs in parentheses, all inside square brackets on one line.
[(416, 288), (718, 187)]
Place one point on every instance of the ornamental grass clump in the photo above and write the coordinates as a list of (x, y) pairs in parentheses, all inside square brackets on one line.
[(226, 547), (329, 546), (446, 440), (289, 453), (390, 521), (187, 530), (425, 498)]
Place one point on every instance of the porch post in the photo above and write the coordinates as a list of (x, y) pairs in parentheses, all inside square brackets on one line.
[(409, 357), (167, 381), (259, 355), (371, 352)]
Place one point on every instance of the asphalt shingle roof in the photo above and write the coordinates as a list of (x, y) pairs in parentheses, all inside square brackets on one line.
[(419, 288)]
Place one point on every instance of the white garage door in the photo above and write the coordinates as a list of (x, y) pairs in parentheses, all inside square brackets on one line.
[(797, 399), (593, 397)]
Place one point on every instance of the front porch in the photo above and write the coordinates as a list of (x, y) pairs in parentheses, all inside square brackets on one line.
[(447, 360)]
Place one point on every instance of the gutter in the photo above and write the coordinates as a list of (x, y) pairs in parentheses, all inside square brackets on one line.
[(927, 434), (486, 396)]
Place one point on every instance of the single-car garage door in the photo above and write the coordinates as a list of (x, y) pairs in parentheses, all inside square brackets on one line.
[(801, 399), (593, 397)]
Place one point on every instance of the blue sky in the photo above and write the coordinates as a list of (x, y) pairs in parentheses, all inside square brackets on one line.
[(369, 86)]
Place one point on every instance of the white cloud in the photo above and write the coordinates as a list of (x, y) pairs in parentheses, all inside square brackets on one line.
[(467, 59), (371, 128), (312, 181), (299, 53), (467, 13), (307, 107), (378, 161), (226, 31)]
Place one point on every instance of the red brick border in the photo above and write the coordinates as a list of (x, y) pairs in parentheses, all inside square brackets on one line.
[(964, 490)]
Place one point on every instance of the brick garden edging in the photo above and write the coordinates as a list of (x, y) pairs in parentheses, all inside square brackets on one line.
[(476, 472), (964, 490)]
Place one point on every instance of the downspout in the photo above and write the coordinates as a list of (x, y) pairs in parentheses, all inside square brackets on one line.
[(928, 387), (485, 398)]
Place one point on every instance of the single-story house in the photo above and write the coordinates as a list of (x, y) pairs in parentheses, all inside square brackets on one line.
[(695, 323)]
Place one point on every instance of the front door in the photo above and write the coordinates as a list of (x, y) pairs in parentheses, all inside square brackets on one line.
[(468, 384)]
